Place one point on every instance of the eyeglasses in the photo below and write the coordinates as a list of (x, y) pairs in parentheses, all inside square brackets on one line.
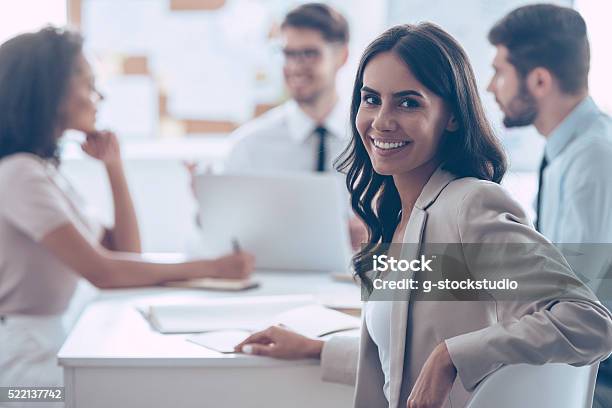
[(303, 56)]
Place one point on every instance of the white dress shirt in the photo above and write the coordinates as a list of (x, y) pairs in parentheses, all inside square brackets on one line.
[(577, 193), (283, 139)]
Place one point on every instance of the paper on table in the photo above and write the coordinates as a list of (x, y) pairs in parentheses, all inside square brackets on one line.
[(317, 321), (221, 341), (311, 320), (299, 313), (247, 313)]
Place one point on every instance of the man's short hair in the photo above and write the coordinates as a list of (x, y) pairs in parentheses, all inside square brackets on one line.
[(320, 17), (548, 36)]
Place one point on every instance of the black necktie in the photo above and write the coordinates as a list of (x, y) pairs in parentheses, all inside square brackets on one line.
[(540, 191), (321, 134)]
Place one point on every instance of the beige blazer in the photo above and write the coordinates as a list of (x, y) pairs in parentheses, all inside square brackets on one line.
[(481, 336)]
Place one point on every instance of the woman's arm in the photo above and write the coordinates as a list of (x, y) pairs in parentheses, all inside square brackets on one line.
[(555, 318), (124, 236), (107, 269), (545, 323), (278, 342), (338, 355)]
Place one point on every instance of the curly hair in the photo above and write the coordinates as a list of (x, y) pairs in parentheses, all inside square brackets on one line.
[(35, 70)]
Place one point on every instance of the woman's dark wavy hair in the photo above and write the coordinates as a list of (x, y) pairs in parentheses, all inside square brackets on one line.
[(437, 61), (35, 70)]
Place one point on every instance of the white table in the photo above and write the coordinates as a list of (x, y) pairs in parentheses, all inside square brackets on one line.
[(113, 358)]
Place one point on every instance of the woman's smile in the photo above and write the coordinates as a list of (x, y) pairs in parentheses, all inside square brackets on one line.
[(388, 146)]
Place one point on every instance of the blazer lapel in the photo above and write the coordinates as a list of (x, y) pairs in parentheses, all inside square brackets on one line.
[(399, 310)]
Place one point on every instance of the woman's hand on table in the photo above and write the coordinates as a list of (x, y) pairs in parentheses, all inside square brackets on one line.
[(278, 342)]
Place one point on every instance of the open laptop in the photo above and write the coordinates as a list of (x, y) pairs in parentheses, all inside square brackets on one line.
[(289, 222)]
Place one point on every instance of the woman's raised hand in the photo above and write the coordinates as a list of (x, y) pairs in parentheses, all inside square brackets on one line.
[(104, 146)]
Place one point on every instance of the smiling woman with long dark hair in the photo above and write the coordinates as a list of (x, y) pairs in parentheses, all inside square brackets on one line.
[(424, 167), (467, 147)]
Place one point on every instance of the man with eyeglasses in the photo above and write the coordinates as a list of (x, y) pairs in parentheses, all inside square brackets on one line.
[(308, 131), (314, 40)]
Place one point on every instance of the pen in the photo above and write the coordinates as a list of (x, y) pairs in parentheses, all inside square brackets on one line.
[(235, 245)]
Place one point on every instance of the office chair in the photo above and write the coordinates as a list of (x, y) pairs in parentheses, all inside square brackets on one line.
[(545, 386)]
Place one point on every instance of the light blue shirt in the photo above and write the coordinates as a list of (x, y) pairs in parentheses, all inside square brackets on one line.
[(577, 191)]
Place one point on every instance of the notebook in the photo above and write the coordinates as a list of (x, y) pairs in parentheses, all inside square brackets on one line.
[(300, 313), (215, 284), (222, 341)]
